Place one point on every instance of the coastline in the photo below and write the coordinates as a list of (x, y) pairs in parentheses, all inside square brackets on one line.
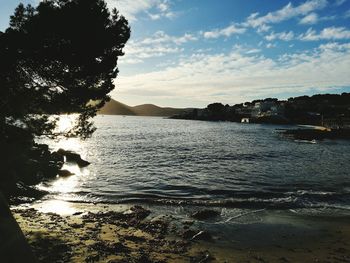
[(131, 233), (253, 231)]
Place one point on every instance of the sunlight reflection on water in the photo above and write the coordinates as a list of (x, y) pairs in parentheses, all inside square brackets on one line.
[(66, 184), (65, 122), (71, 184), (173, 161), (70, 144)]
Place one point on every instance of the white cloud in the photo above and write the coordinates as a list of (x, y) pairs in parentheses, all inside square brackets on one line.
[(287, 12), (313, 18), (253, 51), (237, 75), (335, 46), (130, 9), (164, 6), (131, 61), (310, 19), (162, 37), (154, 16), (158, 45), (263, 28), (245, 49), (329, 33), (163, 11), (270, 45), (151, 52), (225, 32), (136, 53), (285, 36)]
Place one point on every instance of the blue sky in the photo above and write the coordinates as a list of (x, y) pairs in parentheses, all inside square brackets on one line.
[(193, 52)]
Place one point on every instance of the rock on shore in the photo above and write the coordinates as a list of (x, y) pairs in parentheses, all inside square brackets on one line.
[(132, 235)]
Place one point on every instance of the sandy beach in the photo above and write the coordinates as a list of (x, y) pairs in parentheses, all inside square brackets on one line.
[(133, 233)]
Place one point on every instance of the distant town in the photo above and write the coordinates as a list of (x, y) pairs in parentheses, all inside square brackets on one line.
[(327, 110)]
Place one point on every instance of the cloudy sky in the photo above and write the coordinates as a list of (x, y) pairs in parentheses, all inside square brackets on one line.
[(193, 52)]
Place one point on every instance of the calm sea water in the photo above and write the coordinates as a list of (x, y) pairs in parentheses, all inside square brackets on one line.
[(220, 164)]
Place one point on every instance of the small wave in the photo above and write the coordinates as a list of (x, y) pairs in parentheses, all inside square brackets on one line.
[(302, 198), (284, 203), (307, 141)]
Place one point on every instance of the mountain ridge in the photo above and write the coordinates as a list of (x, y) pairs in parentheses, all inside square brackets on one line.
[(114, 107)]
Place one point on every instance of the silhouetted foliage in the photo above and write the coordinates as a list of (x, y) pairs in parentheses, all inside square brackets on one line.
[(318, 110), (59, 57), (216, 111), (304, 109)]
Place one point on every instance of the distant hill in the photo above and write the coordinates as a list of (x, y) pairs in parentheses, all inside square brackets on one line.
[(153, 110), (114, 107)]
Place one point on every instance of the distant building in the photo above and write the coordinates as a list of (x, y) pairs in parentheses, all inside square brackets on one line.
[(244, 111), (267, 108)]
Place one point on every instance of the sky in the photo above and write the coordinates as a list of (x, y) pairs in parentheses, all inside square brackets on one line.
[(189, 53)]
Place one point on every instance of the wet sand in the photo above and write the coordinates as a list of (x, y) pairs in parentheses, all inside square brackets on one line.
[(107, 233)]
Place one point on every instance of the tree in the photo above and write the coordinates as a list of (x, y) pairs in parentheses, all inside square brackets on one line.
[(216, 111), (59, 57)]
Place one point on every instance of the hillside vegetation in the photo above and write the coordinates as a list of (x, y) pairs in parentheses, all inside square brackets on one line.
[(114, 107)]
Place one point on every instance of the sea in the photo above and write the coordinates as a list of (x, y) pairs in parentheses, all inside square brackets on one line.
[(221, 165)]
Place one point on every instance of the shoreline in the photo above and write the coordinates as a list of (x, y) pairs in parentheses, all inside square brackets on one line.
[(132, 233), (317, 134)]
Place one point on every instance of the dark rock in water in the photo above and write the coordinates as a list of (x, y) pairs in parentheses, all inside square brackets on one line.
[(38, 164), (59, 158), (65, 173), (28, 191), (202, 235), (25, 161), (29, 166), (73, 157), (205, 214), (30, 171), (82, 163), (40, 151), (18, 200), (50, 169)]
